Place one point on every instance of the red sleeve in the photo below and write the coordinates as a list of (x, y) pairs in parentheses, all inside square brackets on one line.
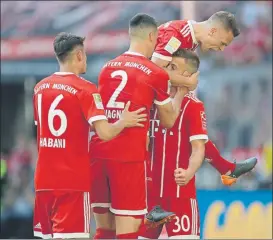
[(34, 110), (196, 121), (91, 104), (161, 88), (167, 43)]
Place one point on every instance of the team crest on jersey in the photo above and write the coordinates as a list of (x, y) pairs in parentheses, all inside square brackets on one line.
[(97, 100), (172, 45), (203, 119)]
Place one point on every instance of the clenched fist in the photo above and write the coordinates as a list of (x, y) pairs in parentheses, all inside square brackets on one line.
[(182, 176)]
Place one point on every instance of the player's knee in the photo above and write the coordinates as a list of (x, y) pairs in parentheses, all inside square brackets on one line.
[(104, 218), (128, 224)]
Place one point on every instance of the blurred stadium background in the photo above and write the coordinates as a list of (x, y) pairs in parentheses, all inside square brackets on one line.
[(235, 85)]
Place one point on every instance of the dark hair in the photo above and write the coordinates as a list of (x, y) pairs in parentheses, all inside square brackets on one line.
[(228, 20), (190, 56), (142, 20), (64, 43)]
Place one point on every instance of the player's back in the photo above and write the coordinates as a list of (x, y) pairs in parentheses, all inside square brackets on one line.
[(62, 132), (129, 77), (172, 147), (174, 35)]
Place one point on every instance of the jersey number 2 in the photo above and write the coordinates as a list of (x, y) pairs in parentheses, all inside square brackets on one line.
[(52, 113), (112, 103)]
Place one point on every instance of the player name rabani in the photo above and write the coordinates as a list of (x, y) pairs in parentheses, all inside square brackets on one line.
[(63, 87), (52, 143), (139, 66)]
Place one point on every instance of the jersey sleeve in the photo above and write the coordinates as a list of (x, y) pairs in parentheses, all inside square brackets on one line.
[(196, 121), (35, 117), (161, 88), (168, 42), (92, 105)]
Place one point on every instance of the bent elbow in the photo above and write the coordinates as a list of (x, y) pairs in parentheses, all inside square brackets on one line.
[(104, 136)]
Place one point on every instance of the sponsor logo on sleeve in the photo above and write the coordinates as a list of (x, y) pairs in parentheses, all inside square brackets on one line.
[(172, 45), (203, 119), (98, 101)]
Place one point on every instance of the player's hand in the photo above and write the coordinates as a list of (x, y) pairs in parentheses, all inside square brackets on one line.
[(133, 119), (194, 81), (182, 176)]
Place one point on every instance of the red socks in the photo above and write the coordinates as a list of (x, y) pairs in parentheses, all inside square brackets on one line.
[(133, 235), (105, 234), (222, 165)]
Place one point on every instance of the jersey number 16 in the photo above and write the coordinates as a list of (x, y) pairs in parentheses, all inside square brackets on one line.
[(52, 113)]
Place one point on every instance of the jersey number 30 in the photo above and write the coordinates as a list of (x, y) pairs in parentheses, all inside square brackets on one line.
[(52, 113), (112, 103)]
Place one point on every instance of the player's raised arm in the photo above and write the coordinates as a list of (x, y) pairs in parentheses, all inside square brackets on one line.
[(186, 63), (169, 112), (106, 131)]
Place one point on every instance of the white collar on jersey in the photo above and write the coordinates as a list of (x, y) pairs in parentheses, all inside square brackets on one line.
[(134, 53), (63, 73), (190, 22)]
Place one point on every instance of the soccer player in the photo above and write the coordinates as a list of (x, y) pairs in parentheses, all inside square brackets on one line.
[(213, 34), (176, 149), (118, 166), (65, 107)]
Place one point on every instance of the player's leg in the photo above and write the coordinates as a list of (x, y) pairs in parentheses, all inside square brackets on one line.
[(100, 201), (145, 232), (71, 214), (229, 171), (105, 223), (128, 194), (42, 226), (186, 224)]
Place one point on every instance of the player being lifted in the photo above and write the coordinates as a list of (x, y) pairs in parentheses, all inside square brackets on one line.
[(213, 34), (65, 107), (118, 166)]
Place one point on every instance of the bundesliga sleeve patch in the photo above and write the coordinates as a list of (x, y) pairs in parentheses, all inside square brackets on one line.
[(172, 45), (98, 101)]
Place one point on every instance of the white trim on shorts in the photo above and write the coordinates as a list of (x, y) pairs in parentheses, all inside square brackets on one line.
[(71, 235), (86, 212), (185, 237), (41, 235), (129, 212), (139, 237), (103, 205)]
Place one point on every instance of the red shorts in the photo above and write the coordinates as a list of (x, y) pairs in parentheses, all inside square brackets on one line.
[(186, 224), (120, 186), (61, 214)]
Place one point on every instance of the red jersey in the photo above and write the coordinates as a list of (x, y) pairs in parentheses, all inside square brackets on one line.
[(64, 107), (172, 36), (129, 77), (172, 148)]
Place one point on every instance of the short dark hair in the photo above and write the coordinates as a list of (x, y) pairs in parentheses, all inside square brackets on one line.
[(142, 20), (64, 43), (190, 56), (228, 20)]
